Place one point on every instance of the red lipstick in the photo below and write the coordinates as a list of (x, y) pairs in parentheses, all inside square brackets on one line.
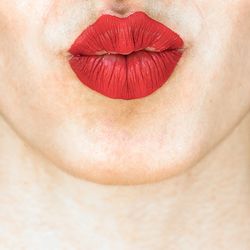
[(125, 58)]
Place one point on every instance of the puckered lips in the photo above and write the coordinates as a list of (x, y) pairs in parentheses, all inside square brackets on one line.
[(125, 58)]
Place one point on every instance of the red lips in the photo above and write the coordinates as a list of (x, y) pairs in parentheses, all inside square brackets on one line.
[(125, 58)]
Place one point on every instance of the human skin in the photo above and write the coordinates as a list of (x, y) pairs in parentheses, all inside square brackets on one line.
[(118, 141), (61, 142)]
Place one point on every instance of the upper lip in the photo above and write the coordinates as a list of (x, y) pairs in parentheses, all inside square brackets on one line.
[(115, 35)]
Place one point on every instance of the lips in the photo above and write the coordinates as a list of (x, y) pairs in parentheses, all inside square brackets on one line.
[(125, 58)]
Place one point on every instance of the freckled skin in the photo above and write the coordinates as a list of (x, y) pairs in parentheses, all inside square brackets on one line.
[(116, 141)]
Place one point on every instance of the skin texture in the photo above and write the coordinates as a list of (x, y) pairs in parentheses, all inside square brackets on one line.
[(192, 134), (116, 141)]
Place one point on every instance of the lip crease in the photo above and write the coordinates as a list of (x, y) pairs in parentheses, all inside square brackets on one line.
[(125, 58)]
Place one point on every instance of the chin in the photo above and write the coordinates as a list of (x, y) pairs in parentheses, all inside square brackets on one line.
[(124, 161), (126, 169)]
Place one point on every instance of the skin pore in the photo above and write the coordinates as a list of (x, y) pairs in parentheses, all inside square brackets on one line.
[(61, 143)]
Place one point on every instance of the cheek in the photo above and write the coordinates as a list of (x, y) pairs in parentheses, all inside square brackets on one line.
[(238, 63)]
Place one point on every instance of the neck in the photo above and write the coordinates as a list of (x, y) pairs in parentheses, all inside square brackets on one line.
[(210, 198)]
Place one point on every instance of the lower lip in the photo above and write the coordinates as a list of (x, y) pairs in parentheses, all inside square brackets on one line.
[(131, 76)]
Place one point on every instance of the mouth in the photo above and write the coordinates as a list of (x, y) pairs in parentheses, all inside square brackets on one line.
[(126, 58)]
